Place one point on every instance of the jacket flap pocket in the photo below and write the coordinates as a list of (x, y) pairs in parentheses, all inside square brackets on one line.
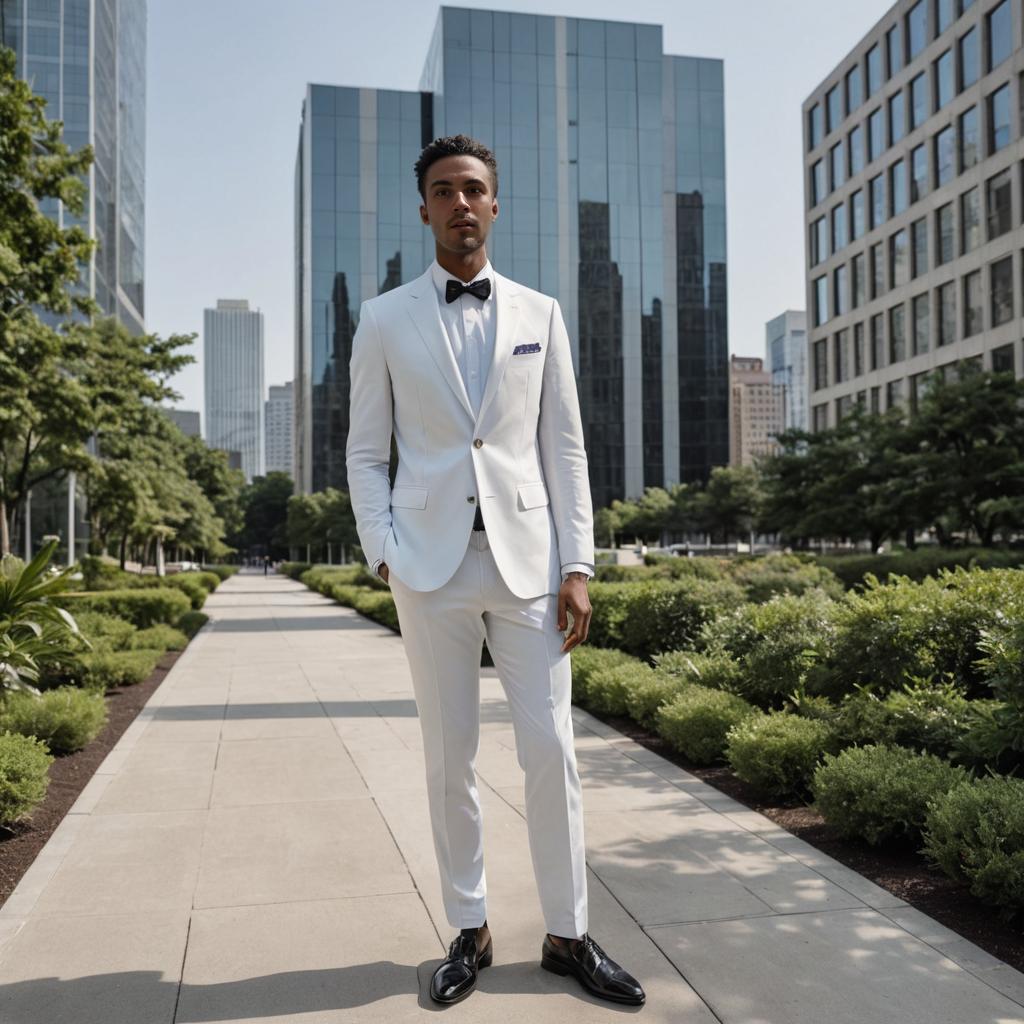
[(532, 495), (407, 496)]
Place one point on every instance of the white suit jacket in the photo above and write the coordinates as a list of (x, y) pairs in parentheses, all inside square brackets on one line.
[(523, 454)]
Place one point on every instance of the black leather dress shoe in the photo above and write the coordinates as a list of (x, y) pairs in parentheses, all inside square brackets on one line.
[(456, 977), (596, 971)]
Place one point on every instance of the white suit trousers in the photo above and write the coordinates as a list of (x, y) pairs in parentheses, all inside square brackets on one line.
[(443, 632)]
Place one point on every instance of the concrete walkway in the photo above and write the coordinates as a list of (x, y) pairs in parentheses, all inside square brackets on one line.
[(257, 848)]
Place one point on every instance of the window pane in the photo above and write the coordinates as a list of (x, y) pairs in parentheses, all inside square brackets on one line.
[(820, 369), (919, 247), (1002, 291), (998, 34), (857, 225), (814, 131), (858, 270), (877, 270), (945, 15), (968, 47), (874, 65), (897, 118), (999, 119), (818, 189), (918, 173), (819, 241), (841, 358), (840, 292), (970, 221), (944, 156), (834, 107), (854, 88), (968, 139), (855, 142), (898, 188), (997, 204), (1002, 359), (876, 134), (947, 313), (919, 312), (894, 48), (877, 187), (897, 335), (919, 100), (858, 354), (877, 360), (972, 303), (917, 28), (898, 259), (944, 80), (944, 248), (838, 162), (820, 301), (838, 227)]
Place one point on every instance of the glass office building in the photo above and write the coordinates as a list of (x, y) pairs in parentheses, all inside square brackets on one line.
[(87, 59), (612, 199)]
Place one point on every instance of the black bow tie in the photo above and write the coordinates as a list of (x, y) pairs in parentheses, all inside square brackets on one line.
[(481, 289)]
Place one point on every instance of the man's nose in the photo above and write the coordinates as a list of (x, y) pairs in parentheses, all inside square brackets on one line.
[(461, 200)]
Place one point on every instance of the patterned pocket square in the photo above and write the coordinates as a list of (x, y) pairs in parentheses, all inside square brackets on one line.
[(522, 350)]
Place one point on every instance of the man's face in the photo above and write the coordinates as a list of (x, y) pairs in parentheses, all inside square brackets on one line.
[(460, 203)]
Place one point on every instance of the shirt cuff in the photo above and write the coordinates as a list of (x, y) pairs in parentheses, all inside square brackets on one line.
[(577, 567), (376, 566)]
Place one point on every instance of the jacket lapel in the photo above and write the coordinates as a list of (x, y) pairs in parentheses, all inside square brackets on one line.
[(506, 297), (422, 309)]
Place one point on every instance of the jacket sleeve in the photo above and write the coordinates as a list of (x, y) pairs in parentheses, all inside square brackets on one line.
[(368, 449), (563, 457)]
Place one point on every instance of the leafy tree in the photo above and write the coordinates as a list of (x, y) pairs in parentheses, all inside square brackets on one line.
[(265, 504), (40, 262), (730, 502)]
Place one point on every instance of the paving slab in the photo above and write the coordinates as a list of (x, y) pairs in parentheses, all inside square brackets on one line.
[(257, 848)]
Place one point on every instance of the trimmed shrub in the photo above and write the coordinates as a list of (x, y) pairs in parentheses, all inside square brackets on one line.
[(103, 670), (648, 692), (160, 638), (294, 569), (142, 607), (778, 752), (586, 660), (187, 582), (65, 719), (974, 832), (916, 565), (610, 602), (880, 793), (681, 567), (767, 576), (776, 644), (24, 776), (222, 572), (377, 606), (191, 622), (922, 715), (666, 616), (715, 669), (609, 687), (105, 631), (696, 721)]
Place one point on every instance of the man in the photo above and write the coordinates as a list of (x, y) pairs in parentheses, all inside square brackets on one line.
[(486, 533)]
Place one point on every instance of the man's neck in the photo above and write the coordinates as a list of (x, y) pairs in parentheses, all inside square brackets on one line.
[(465, 267)]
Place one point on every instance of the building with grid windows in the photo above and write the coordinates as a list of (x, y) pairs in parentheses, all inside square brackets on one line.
[(87, 59), (756, 411), (914, 165), (233, 382), (278, 420), (611, 160), (786, 358)]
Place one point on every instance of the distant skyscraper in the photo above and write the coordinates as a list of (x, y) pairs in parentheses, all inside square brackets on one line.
[(786, 351), (87, 58), (611, 162), (913, 211), (233, 379), (278, 420), (755, 411), (187, 421)]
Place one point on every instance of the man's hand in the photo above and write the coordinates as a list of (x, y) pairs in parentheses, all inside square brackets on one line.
[(382, 571), (573, 595)]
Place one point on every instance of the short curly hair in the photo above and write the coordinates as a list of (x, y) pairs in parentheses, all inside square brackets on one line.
[(453, 145)]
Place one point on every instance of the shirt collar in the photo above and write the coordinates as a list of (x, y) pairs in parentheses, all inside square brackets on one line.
[(441, 277)]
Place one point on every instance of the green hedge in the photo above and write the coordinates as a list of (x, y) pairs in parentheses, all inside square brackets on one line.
[(103, 670), (853, 570), (222, 572), (24, 776), (586, 660), (160, 637), (142, 607), (191, 622), (880, 793), (715, 669), (697, 720), (294, 569), (336, 582), (777, 753), (975, 833), (65, 719), (107, 632)]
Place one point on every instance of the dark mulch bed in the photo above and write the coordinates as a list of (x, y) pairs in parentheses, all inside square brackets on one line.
[(20, 844), (901, 871)]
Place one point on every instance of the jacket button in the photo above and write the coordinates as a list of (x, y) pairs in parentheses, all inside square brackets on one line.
[(471, 500), (478, 443)]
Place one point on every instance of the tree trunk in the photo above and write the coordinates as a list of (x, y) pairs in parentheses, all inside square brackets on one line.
[(124, 549), (5, 537)]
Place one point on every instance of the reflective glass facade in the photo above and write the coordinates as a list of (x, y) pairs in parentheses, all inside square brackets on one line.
[(612, 199), (60, 45)]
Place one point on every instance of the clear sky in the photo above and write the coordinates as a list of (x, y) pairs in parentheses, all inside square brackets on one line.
[(225, 85)]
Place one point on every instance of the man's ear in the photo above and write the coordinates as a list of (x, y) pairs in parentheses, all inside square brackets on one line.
[(424, 216)]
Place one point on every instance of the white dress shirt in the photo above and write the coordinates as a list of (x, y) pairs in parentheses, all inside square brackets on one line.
[(471, 326)]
